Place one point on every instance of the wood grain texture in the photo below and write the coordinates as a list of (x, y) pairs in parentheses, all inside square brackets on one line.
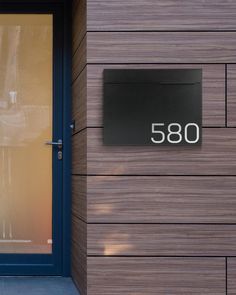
[(79, 254), (119, 199), (213, 91), (79, 197), (79, 22), (190, 204), (216, 156), (79, 233), (231, 95), (79, 59), (161, 240), (113, 15), (79, 101), (161, 47), (79, 239), (172, 276), (231, 276), (79, 268), (79, 153)]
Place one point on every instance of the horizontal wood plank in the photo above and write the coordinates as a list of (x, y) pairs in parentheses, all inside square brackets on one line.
[(79, 268), (79, 233), (161, 240), (79, 101), (79, 153), (79, 59), (213, 91), (118, 199), (231, 276), (79, 197), (231, 95), (79, 22), (152, 15), (161, 47), (216, 156), (79, 254), (172, 276)]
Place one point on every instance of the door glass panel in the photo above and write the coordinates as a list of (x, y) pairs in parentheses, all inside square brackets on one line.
[(26, 62)]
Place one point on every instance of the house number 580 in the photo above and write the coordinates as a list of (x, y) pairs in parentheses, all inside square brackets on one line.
[(175, 133)]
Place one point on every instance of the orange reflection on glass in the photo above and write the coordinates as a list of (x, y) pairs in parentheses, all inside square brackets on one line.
[(26, 56)]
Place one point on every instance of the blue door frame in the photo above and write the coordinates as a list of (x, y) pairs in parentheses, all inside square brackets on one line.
[(59, 262)]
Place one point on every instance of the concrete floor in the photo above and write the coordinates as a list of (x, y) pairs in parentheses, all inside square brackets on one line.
[(37, 286)]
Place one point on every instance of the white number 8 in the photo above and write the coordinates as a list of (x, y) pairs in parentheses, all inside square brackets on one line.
[(174, 132)]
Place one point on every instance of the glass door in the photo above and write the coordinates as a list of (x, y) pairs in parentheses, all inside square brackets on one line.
[(31, 147)]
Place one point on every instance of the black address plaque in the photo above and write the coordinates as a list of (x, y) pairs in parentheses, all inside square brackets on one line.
[(153, 107)]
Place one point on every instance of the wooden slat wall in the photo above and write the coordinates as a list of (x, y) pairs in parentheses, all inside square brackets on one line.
[(231, 94), (79, 227), (161, 47), (79, 200), (79, 267), (161, 15), (161, 240), (231, 282), (79, 59), (150, 220), (140, 199), (172, 276), (79, 21), (79, 103)]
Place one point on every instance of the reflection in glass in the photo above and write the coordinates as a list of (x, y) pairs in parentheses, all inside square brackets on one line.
[(25, 124)]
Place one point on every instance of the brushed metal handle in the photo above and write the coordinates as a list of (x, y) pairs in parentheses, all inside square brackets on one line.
[(58, 143)]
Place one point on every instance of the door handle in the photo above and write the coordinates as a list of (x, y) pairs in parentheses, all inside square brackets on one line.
[(58, 143)]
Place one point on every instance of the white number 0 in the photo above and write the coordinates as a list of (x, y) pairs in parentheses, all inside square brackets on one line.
[(186, 132)]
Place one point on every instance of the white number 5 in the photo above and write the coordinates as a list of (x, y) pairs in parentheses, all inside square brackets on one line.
[(155, 130)]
